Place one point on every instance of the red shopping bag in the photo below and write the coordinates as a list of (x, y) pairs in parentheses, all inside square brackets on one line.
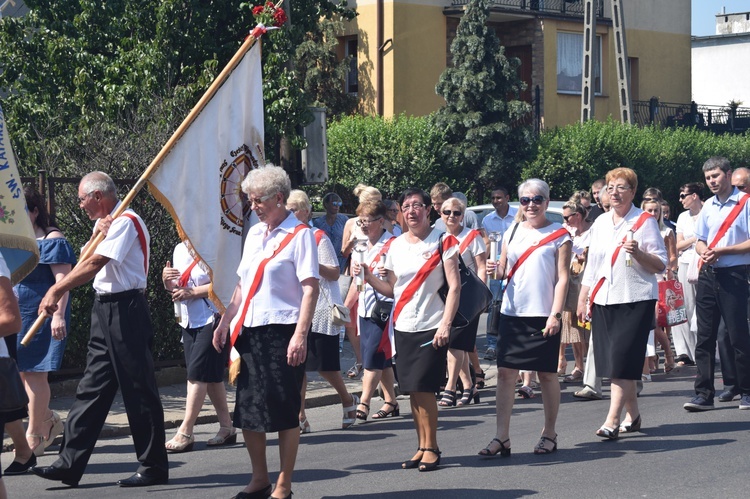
[(671, 310)]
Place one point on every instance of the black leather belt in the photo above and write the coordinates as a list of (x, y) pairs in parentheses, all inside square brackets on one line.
[(734, 268), (110, 297)]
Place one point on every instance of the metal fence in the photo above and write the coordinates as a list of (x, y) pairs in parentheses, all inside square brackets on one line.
[(718, 119), (566, 7)]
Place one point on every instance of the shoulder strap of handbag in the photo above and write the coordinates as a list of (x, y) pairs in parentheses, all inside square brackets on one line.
[(473, 233), (141, 239), (551, 237), (421, 276), (637, 225), (259, 277)]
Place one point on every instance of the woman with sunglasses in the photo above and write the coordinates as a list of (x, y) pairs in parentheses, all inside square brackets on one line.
[(418, 264), (535, 260), (685, 335), (377, 364), (625, 255), (474, 254)]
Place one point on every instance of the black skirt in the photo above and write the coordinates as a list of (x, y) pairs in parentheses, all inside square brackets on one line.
[(465, 339), (268, 389), (322, 353), (420, 369), (370, 335), (203, 362), (521, 345), (621, 333)]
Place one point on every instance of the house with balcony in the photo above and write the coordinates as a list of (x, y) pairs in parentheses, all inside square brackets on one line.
[(401, 47)]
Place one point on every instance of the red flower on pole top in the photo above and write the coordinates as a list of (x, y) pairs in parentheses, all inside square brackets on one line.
[(269, 15)]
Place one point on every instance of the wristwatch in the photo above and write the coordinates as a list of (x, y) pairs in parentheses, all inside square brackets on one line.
[(558, 316)]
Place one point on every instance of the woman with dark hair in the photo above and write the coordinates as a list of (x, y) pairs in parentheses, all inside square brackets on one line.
[(418, 264), (44, 353), (685, 335)]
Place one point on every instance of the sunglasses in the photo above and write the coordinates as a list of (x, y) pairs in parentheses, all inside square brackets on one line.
[(336, 203), (569, 216), (683, 195), (537, 200), (455, 213)]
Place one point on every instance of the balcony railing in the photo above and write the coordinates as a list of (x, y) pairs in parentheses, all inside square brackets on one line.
[(719, 119), (566, 7)]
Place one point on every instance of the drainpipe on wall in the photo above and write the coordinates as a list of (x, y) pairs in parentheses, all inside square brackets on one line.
[(379, 70)]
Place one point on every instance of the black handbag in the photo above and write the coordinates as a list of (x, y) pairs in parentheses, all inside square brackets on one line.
[(475, 298), (381, 312), (12, 393)]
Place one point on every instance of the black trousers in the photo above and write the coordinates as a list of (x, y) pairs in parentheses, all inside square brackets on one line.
[(722, 293), (726, 358), (119, 356)]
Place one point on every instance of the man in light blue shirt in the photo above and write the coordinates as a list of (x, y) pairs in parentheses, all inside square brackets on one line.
[(495, 224), (722, 288)]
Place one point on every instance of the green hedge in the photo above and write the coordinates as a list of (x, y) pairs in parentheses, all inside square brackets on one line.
[(572, 157)]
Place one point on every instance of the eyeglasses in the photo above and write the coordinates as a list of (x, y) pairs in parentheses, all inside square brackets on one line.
[(83, 198), (684, 195), (455, 213), (415, 207), (618, 188), (566, 218), (363, 223), (336, 203), (260, 200), (537, 200)]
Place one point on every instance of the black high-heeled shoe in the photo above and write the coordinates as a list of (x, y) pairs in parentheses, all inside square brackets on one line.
[(468, 396), (413, 463), (448, 400), (479, 383), (382, 414), (430, 466), (362, 415), (502, 450)]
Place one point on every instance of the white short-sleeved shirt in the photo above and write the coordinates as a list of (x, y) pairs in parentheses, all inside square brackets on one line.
[(125, 269), (367, 297), (329, 290), (279, 296), (424, 310), (710, 219), (581, 243), (686, 227), (622, 284), (531, 290), (473, 248), (495, 223), (4, 272), (196, 312)]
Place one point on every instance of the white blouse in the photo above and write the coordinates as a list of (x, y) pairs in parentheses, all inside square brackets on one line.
[(279, 296), (367, 297), (686, 226), (329, 292), (622, 284), (531, 290), (474, 248), (199, 311), (424, 310)]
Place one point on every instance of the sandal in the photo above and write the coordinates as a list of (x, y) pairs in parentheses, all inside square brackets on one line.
[(175, 447), (354, 371), (526, 392), (502, 450), (608, 433), (479, 383), (542, 449), (430, 466), (229, 439), (381, 414), (574, 377), (46, 441), (346, 421), (304, 427), (362, 415), (631, 426), (468, 396), (448, 400), (413, 463)]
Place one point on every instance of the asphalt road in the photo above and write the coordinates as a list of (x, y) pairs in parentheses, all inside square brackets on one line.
[(677, 454)]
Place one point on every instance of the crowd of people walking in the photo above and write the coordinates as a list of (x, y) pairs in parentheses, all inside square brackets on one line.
[(615, 278)]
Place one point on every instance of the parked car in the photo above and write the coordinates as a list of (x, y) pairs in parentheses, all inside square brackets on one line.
[(554, 210)]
